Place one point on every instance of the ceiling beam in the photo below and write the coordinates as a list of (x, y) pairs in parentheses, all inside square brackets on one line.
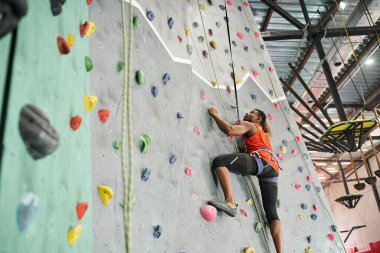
[(267, 19)]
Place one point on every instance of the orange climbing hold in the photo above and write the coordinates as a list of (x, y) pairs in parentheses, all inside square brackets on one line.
[(63, 47), (81, 209), (75, 122), (104, 115), (89, 2)]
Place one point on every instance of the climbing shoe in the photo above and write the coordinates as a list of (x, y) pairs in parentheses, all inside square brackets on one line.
[(224, 207)]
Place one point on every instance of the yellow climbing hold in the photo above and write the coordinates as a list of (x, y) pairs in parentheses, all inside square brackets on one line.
[(283, 149), (187, 31), (239, 81), (301, 216), (213, 44), (202, 7), (244, 69), (213, 84), (70, 40), (106, 194), (91, 28), (74, 233), (308, 250), (249, 250), (89, 102), (249, 202)]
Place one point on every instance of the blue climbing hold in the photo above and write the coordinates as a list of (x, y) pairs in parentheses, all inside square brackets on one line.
[(26, 210), (308, 238), (313, 216), (157, 231), (303, 206), (247, 29), (170, 23), (261, 65), (239, 8), (290, 129), (300, 169), (166, 78), (172, 159), (262, 46), (180, 115), (254, 97), (150, 15), (271, 92), (222, 7), (285, 143), (307, 187), (318, 189), (145, 174), (246, 48), (154, 91)]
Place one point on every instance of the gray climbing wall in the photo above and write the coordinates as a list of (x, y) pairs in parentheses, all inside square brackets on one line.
[(170, 198)]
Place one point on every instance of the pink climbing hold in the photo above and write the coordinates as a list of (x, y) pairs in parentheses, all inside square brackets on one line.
[(294, 152), (205, 54), (280, 156), (315, 207), (245, 4), (297, 186), (229, 90), (229, 2), (257, 34), (270, 116), (208, 212), (271, 70), (231, 138), (203, 96), (210, 32), (197, 130), (243, 213), (179, 39), (240, 35), (310, 179), (255, 73), (276, 106), (331, 236), (298, 138), (188, 171)]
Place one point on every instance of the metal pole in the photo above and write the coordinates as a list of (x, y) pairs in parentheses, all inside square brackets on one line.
[(304, 11), (305, 119), (342, 174), (369, 172), (376, 194), (354, 166)]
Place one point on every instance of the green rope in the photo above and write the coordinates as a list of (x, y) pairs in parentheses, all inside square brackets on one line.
[(127, 109)]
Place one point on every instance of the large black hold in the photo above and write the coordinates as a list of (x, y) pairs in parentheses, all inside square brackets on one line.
[(11, 11), (56, 6)]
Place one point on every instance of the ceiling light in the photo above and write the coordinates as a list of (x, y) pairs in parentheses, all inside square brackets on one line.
[(321, 177), (342, 5), (320, 164), (306, 125), (369, 61), (345, 163)]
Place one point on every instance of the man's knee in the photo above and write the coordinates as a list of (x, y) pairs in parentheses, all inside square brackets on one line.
[(217, 162)]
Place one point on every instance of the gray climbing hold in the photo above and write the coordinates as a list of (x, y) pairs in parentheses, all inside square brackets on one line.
[(210, 32), (313, 216), (246, 48), (226, 50), (136, 22), (308, 238), (271, 92), (247, 29), (285, 143), (173, 159), (318, 189), (258, 227), (254, 97), (140, 78), (195, 24), (222, 7), (225, 19), (218, 24), (239, 8), (39, 136), (234, 43), (303, 206), (308, 187), (157, 231), (261, 65), (205, 54), (26, 210), (166, 78), (145, 174), (300, 169), (305, 156), (154, 91), (150, 15), (210, 2), (170, 23), (289, 129), (201, 39), (262, 46), (180, 115), (189, 49), (333, 228)]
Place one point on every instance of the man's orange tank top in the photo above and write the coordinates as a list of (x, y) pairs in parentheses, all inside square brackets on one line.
[(258, 141)]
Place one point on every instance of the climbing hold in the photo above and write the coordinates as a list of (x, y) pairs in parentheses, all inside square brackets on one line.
[(117, 144), (189, 49), (313, 216), (243, 212), (166, 78), (294, 152), (297, 186), (179, 39), (309, 179), (318, 189), (226, 50), (243, 69), (222, 7), (39, 136), (331, 236), (308, 250), (283, 149), (271, 70), (150, 15), (270, 116), (300, 169), (303, 206), (308, 238), (308, 187), (249, 250), (271, 92), (213, 84), (305, 156), (255, 73), (188, 171), (315, 207), (103, 115), (229, 90), (246, 48), (208, 212), (170, 23), (89, 2), (179, 115), (289, 129), (203, 96), (205, 54), (26, 210), (279, 203), (145, 174), (83, 29), (145, 141), (70, 40), (229, 2), (210, 32), (333, 228), (254, 97), (89, 102), (262, 46), (298, 138), (105, 193), (247, 29), (91, 29), (120, 66), (74, 233), (257, 34), (218, 24), (63, 47), (88, 63), (136, 22), (210, 2), (202, 7), (239, 8), (285, 142), (140, 78), (157, 231), (234, 43), (213, 44), (197, 130), (173, 159), (245, 4), (261, 65), (75, 122), (187, 31), (276, 106), (249, 202), (201, 39), (81, 209), (301, 216), (240, 35), (154, 91), (258, 227)]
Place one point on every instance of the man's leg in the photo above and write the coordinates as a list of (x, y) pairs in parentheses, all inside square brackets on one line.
[(275, 230), (224, 178)]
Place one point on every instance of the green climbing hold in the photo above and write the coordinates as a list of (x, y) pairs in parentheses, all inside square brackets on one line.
[(213, 44), (201, 39), (210, 2), (234, 43), (145, 141), (258, 227), (189, 49), (120, 66), (136, 22), (195, 24), (117, 144), (218, 24), (140, 78), (88, 63), (226, 50)]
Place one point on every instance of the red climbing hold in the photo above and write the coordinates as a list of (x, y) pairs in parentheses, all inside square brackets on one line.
[(243, 213), (331, 236), (179, 39), (103, 115), (81, 209), (62, 45), (208, 212), (255, 73), (89, 2), (271, 70), (270, 116), (83, 29), (257, 35), (189, 171), (210, 32), (229, 2), (240, 35), (75, 122), (245, 4), (297, 186), (315, 207), (229, 90)]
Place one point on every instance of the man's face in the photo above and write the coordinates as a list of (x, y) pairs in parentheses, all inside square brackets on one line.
[(252, 116)]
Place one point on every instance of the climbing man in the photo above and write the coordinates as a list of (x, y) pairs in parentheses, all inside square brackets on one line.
[(259, 161)]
